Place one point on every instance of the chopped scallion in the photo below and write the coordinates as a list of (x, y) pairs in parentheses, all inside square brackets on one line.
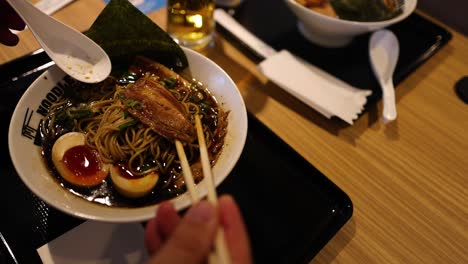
[(170, 82), (80, 113), (128, 124), (132, 103)]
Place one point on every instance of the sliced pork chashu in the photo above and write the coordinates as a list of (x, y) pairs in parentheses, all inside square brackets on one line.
[(156, 107), (142, 65)]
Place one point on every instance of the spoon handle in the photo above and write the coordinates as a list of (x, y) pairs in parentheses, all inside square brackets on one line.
[(389, 112)]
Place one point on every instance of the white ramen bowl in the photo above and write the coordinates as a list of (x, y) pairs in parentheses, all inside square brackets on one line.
[(32, 169), (333, 32)]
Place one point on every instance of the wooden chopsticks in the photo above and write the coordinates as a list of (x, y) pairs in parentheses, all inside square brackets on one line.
[(187, 172), (221, 254)]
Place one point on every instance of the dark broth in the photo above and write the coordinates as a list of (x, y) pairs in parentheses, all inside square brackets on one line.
[(169, 185)]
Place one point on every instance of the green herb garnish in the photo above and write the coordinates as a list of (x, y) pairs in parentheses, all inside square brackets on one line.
[(128, 124), (364, 10), (170, 82), (80, 113), (145, 167), (203, 105), (132, 103), (65, 119)]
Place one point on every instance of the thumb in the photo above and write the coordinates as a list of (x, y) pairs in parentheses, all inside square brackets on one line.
[(193, 239)]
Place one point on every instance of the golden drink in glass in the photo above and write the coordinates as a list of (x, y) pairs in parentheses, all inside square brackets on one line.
[(191, 22)]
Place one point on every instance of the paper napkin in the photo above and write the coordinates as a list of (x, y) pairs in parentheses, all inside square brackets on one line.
[(318, 89), (97, 243)]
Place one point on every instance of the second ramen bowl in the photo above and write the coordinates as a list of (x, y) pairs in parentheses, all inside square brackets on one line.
[(26, 154), (333, 32)]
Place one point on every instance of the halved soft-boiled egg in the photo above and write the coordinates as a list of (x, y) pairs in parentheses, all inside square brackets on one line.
[(76, 162), (131, 185)]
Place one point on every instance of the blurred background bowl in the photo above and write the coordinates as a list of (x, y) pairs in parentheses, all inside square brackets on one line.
[(327, 31)]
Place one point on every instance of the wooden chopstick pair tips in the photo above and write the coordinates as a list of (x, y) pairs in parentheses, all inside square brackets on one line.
[(221, 254)]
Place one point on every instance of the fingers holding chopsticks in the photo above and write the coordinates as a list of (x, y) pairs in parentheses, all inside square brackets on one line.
[(235, 231), (191, 238), (160, 228)]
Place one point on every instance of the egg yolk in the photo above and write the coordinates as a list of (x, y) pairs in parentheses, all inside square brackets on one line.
[(82, 161), (82, 166)]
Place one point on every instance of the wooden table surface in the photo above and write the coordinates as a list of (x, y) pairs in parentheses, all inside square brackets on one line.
[(408, 180)]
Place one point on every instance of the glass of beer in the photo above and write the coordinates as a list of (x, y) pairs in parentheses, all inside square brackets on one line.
[(191, 22)]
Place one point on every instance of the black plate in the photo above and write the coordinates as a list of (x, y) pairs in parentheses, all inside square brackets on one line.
[(274, 23), (291, 209)]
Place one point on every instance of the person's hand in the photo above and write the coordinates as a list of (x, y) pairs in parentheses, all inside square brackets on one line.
[(9, 19), (189, 240)]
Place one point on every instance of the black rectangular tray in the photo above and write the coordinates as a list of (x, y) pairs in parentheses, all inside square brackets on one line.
[(274, 23), (290, 208)]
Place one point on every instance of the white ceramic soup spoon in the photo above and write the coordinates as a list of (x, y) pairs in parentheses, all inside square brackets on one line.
[(72, 51), (383, 52)]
